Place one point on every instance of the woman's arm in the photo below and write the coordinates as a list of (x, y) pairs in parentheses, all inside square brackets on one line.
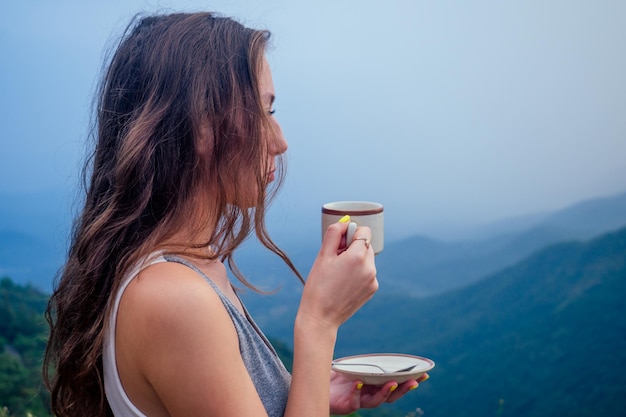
[(337, 286)]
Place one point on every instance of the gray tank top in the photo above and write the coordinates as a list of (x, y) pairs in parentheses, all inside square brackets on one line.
[(271, 379)]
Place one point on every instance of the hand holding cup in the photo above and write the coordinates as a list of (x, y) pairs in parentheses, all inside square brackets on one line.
[(362, 213)]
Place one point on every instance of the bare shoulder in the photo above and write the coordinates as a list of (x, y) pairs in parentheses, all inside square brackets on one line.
[(166, 282), (168, 299), (175, 337)]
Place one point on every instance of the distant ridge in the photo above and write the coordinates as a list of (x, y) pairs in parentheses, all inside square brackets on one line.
[(592, 217), (423, 266), (546, 336), (34, 229), (27, 260), (544, 333), (419, 265), (603, 214)]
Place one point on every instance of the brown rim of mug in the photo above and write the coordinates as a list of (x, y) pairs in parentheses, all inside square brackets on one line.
[(356, 212)]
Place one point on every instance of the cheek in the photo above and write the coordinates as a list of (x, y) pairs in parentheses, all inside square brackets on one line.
[(243, 187)]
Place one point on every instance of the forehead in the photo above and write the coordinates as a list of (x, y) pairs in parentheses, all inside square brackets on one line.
[(266, 84)]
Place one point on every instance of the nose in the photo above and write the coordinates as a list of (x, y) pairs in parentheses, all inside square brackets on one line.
[(279, 144)]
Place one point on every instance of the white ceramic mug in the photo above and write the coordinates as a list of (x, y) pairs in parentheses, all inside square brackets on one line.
[(362, 213)]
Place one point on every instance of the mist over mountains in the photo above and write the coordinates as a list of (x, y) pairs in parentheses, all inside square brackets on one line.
[(34, 230), (424, 266), (523, 323), (545, 335), (522, 319), (34, 233)]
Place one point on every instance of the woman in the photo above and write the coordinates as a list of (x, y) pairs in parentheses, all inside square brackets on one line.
[(144, 320)]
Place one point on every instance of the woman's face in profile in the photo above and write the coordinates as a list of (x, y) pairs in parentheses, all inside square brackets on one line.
[(246, 190), (276, 141)]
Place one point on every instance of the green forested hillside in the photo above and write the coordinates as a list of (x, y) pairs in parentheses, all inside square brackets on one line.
[(23, 334), (546, 337)]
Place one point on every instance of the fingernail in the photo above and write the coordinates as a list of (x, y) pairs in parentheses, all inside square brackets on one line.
[(413, 387), (393, 388), (345, 219), (424, 378), (359, 385)]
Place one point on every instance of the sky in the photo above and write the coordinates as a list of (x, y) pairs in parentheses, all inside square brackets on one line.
[(451, 114)]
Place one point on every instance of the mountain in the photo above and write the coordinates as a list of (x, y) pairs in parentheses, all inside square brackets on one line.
[(544, 337), (419, 265), (424, 266), (33, 232), (590, 218), (28, 259)]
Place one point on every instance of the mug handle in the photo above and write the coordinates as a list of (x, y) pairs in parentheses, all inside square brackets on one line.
[(350, 233)]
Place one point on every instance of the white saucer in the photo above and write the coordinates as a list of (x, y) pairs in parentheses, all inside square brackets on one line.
[(378, 368)]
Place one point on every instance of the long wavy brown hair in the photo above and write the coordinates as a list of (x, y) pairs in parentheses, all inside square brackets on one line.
[(180, 136)]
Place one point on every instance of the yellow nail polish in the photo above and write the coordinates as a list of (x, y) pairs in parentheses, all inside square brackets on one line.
[(425, 377), (413, 387), (393, 388), (345, 219), (359, 385)]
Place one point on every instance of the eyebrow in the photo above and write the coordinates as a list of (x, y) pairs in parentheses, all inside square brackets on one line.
[(271, 96)]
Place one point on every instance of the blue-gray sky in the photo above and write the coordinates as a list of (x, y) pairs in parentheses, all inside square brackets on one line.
[(449, 113)]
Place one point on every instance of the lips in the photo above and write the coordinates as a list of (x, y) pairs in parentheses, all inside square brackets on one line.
[(271, 172)]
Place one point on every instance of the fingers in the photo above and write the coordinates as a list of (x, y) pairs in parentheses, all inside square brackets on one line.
[(332, 238), (423, 378), (402, 390), (361, 242), (340, 282), (355, 399), (407, 387), (373, 396), (335, 242)]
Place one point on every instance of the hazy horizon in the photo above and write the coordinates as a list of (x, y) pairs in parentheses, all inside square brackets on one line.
[(451, 115)]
